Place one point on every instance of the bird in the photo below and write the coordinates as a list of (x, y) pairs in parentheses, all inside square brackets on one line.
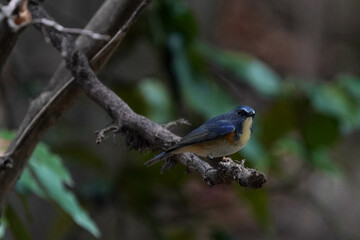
[(220, 136)]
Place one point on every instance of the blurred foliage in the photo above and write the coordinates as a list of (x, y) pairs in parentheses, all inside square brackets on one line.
[(246, 68), (157, 99), (3, 225), (301, 120), (15, 224), (258, 201), (46, 177)]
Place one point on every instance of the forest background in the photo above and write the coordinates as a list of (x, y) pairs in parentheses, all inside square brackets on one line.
[(295, 62)]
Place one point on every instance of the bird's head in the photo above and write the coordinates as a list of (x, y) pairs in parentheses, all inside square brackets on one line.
[(243, 111), (243, 116)]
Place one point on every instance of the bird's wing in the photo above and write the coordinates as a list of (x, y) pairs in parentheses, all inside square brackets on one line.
[(206, 132)]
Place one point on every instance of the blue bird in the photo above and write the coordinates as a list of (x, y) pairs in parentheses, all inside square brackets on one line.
[(218, 137)]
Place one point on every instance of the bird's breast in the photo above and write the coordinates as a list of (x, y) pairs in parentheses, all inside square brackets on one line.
[(245, 135)]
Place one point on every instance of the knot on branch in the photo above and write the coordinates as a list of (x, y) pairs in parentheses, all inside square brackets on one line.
[(229, 171), (254, 179), (236, 171), (6, 162)]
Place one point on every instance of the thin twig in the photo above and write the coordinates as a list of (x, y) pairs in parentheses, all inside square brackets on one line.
[(101, 134), (58, 27), (178, 122)]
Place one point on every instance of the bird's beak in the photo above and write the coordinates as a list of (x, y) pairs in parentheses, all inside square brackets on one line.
[(252, 113)]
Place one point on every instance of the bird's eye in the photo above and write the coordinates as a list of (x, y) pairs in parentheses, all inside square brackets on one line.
[(240, 112)]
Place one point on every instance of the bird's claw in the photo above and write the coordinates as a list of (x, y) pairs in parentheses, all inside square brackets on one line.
[(225, 159)]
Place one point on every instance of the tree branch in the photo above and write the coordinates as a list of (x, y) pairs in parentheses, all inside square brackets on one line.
[(50, 23), (177, 122), (62, 91)]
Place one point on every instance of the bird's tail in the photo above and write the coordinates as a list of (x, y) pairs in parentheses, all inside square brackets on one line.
[(155, 159)]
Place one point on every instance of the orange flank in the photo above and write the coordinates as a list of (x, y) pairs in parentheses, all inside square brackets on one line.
[(230, 137)]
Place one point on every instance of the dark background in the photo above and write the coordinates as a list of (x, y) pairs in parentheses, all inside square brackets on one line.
[(306, 132)]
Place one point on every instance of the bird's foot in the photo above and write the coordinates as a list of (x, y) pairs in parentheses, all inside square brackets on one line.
[(225, 159)]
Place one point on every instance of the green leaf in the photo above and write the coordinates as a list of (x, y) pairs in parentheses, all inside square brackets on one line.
[(15, 224), (157, 98), (3, 225), (333, 101), (350, 84), (52, 175), (28, 184), (247, 68), (43, 156)]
